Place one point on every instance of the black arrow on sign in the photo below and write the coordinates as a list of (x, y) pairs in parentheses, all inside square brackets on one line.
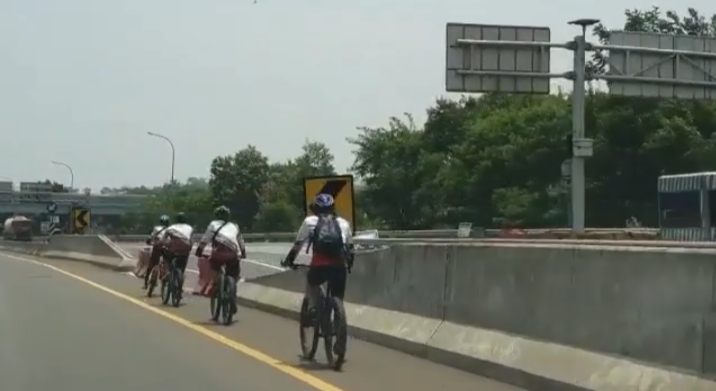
[(333, 187), (82, 218)]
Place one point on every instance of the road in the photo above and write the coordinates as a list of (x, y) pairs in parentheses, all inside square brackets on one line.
[(71, 326)]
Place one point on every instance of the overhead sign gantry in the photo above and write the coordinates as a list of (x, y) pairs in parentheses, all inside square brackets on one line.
[(516, 59)]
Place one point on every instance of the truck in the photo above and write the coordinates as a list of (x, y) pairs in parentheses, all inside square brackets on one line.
[(17, 228)]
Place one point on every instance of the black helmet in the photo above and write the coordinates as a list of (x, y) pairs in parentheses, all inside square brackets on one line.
[(164, 220), (222, 213), (181, 218)]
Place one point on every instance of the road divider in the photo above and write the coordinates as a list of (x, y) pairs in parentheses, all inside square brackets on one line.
[(96, 249), (550, 316)]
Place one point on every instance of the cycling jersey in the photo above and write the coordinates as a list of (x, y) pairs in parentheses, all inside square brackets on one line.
[(306, 230), (156, 236), (224, 233), (178, 238)]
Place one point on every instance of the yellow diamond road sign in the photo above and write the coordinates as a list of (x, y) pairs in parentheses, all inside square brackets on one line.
[(82, 218), (339, 186)]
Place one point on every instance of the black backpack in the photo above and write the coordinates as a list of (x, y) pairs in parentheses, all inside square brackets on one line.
[(327, 238)]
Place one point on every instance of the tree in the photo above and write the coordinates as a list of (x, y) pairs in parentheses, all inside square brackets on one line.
[(236, 181)]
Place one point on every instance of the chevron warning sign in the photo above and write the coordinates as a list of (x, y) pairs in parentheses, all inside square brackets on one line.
[(339, 186)]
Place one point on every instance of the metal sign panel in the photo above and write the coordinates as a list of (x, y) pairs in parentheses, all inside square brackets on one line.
[(340, 187), (651, 65), (464, 62)]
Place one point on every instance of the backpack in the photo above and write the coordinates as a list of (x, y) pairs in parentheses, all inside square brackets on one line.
[(327, 238)]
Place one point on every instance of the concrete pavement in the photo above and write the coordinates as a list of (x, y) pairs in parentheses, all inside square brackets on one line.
[(101, 333)]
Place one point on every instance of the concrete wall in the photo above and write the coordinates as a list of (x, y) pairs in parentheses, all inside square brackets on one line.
[(651, 304)]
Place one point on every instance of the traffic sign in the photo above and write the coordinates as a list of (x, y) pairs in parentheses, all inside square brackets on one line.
[(82, 218), (51, 208), (662, 65), (338, 186), (512, 63)]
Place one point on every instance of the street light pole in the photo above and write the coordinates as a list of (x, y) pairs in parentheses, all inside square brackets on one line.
[(72, 174), (173, 151)]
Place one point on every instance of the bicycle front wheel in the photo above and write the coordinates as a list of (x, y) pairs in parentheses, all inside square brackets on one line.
[(335, 333), (152, 280)]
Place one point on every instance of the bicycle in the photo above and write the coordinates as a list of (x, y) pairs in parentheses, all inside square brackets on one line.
[(324, 326), (223, 299), (157, 272), (171, 285)]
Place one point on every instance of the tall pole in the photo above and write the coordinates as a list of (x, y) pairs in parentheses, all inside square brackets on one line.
[(173, 151), (579, 141), (72, 174)]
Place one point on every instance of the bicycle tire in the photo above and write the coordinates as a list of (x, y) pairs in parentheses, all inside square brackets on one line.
[(152, 280), (215, 301), (166, 289), (176, 287), (227, 310), (340, 331), (309, 352)]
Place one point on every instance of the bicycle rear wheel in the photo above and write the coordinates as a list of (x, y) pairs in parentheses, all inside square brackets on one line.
[(336, 333), (175, 287), (166, 289), (215, 300), (227, 300), (309, 343)]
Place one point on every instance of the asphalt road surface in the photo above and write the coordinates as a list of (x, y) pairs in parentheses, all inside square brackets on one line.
[(70, 326)]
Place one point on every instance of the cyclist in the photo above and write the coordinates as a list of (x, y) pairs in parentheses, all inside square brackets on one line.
[(177, 238), (155, 241), (227, 244), (331, 238)]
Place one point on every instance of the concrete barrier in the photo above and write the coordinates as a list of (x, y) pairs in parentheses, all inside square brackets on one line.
[(95, 249), (539, 316)]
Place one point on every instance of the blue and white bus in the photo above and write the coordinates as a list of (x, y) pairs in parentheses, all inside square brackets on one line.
[(686, 202)]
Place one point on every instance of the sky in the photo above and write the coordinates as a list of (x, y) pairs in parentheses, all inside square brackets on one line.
[(83, 81)]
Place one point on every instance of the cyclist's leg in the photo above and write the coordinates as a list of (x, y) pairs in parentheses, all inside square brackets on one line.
[(337, 277), (233, 269), (180, 262), (154, 259), (316, 276)]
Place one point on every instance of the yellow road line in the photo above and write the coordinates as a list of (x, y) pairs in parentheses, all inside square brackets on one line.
[(239, 347)]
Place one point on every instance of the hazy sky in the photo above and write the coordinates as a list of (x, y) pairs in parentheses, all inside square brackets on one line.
[(82, 81)]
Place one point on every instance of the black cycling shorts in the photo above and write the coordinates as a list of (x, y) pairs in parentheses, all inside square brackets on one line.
[(233, 267), (335, 276)]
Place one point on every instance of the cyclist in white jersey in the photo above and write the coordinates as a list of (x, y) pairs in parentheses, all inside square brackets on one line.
[(177, 239), (227, 244), (155, 241)]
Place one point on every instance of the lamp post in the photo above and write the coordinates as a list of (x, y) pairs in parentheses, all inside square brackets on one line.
[(173, 151), (72, 174)]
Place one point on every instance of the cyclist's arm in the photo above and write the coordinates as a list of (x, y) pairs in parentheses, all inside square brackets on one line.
[(304, 233), (208, 234), (240, 241), (152, 236), (347, 231)]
